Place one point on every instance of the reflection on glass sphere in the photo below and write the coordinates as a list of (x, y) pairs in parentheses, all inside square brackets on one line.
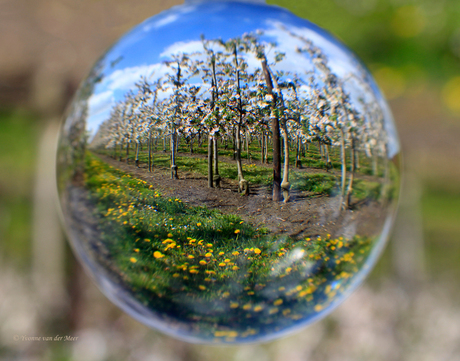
[(228, 172)]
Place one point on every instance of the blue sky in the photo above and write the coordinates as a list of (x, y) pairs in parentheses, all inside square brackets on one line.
[(142, 51)]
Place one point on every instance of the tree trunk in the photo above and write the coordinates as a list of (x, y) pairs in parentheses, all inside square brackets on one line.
[(173, 155), (266, 149), (234, 142), (127, 152), (262, 148), (210, 158), (137, 155), (150, 151), (243, 186), (276, 136), (320, 150), (298, 163), (285, 185), (326, 152), (247, 146), (344, 166), (352, 173), (121, 151), (374, 163), (216, 165), (357, 166)]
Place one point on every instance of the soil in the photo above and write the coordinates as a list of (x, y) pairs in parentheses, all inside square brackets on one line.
[(305, 215)]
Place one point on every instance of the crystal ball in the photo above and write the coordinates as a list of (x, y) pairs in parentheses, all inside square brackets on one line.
[(228, 172)]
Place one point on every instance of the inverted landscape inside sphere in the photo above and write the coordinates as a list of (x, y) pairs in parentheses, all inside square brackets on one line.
[(232, 182)]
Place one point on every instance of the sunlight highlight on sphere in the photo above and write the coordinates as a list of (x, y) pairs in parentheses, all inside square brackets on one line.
[(228, 172)]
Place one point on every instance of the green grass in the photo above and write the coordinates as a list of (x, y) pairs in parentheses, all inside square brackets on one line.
[(165, 250), (441, 226), (18, 141)]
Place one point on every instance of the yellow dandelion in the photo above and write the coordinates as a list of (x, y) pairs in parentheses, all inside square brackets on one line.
[(170, 235), (221, 253), (236, 253), (198, 224), (227, 261), (247, 306), (191, 256), (193, 271), (233, 305), (209, 245), (133, 260), (278, 302), (158, 254), (175, 275), (237, 231), (222, 264), (235, 268), (136, 250), (147, 240), (257, 251), (273, 310), (208, 255), (201, 287), (258, 308), (203, 262)]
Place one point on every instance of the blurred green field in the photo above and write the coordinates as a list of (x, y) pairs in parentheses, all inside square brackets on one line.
[(18, 147)]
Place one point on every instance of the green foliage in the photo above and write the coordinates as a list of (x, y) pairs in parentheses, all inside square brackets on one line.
[(416, 38)]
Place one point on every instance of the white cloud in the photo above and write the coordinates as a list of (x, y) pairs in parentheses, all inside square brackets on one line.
[(99, 103), (183, 47), (173, 16), (125, 79)]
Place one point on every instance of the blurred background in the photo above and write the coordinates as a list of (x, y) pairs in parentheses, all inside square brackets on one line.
[(407, 309)]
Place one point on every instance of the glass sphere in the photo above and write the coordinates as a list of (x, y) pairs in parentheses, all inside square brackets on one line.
[(228, 172)]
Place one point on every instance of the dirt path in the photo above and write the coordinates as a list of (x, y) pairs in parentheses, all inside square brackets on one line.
[(303, 216)]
